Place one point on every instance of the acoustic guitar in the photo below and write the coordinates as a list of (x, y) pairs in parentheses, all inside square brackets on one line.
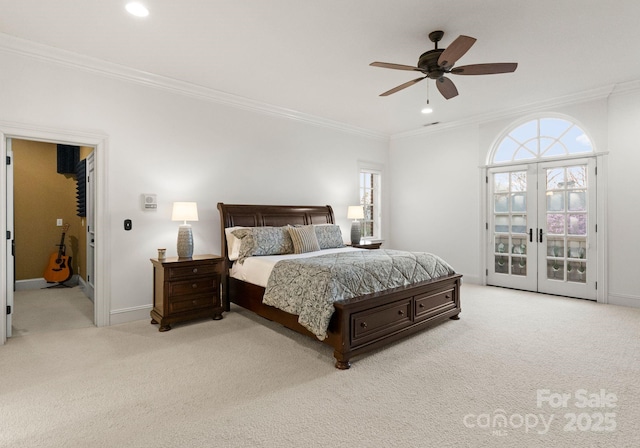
[(59, 268)]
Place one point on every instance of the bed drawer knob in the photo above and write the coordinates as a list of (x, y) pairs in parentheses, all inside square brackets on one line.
[(195, 270), (421, 305), (363, 324), (194, 286), (447, 296), (400, 312)]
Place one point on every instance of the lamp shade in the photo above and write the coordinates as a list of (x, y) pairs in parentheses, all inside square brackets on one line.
[(184, 211), (355, 212)]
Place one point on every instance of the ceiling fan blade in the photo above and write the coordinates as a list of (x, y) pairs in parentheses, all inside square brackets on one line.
[(455, 51), (486, 69), (446, 87), (394, 66), (402, 86)]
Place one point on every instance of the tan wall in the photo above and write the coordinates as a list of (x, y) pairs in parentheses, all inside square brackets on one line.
[(41, 196)]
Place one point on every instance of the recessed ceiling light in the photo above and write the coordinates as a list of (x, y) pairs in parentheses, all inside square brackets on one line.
[(427, 110), (137, 9)]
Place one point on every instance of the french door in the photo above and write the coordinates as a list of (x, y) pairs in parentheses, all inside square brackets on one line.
[(542, 227)]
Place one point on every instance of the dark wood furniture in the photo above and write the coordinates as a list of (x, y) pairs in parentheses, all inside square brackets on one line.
[(370, 245), (360, 324), (186, 288)]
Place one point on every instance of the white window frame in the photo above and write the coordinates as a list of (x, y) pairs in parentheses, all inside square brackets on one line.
[(376, 202)]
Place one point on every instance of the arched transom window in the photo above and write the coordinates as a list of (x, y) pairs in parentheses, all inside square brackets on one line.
[(540, 139)]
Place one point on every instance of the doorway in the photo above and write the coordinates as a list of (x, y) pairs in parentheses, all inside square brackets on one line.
[(542, 227), (543, 205), (49, 236), (101, 286)]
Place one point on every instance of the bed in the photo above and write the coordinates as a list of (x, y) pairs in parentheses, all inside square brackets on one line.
[(358, 324)]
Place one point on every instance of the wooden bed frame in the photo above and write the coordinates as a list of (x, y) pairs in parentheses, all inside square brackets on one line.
[(358, 325)]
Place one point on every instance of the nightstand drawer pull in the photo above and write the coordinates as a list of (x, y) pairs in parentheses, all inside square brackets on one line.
[(195, 270), (363, 324), (400, 313), (194, 286)]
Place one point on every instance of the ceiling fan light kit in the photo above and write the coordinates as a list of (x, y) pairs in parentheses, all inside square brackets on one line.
[(435, 64)]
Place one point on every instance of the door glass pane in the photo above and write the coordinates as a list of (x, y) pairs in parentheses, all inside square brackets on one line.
[(577, 201), (555, 247), (519, 181), (501, 264), (502, 224), (577, 224), (554, 178), (577, 175), (519, 224), (519, 266), (501, 203), (576, 248), (518, 202), (501, 182), (555, 201), (519, 246), (555, 224), (502, 244), (555, 269)]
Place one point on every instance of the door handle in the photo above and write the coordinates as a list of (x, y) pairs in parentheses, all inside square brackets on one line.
[(531, 235), (540, 236)]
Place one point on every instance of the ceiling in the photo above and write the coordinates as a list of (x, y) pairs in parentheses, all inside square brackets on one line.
[(313, 57)]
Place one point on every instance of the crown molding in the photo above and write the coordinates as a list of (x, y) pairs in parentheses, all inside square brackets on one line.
[(22, 47), (576, 98)]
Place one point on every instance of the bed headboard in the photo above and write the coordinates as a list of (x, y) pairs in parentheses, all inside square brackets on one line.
[(248, 215)]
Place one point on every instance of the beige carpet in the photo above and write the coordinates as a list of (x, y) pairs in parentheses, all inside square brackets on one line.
[(240, 383), (50, 309)]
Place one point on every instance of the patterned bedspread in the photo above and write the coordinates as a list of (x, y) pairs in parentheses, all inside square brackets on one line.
[(308, 287)]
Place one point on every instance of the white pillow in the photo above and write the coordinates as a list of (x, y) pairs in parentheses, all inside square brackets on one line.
[(233, 243)]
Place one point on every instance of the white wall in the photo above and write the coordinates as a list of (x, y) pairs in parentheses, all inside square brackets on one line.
[(624, 198), (435, 197), (436, 183), (182, 148)]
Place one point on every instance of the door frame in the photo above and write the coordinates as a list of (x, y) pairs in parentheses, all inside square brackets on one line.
[(602, 291), (102, 302)]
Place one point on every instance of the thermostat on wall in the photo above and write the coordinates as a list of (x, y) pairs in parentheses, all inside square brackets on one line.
[(149, 202)]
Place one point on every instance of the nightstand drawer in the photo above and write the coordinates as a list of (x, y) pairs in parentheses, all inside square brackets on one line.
[(196, 286), (192, 303), (192, 271)]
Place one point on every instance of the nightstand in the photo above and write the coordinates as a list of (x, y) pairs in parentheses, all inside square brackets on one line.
[(186, 289), (368, 245)]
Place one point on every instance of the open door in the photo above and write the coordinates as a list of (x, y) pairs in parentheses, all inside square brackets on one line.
[(91, 229), (10, 261)]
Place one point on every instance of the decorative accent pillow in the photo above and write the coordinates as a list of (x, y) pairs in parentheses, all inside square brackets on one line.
[(304, 239), (256, 241), (329, 236)]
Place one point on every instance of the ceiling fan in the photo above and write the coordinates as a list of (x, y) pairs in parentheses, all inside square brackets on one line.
[(436, 63)]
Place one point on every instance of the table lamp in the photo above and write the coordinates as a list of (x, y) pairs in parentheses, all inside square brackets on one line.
[(355, 212), (185, 211)]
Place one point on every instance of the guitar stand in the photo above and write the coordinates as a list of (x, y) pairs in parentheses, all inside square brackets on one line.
[(57, 285)]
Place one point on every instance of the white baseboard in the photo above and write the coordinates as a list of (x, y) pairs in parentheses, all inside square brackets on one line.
[(125, 315), (41, 283), (471, 279), (624, 300), (32, 283)]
